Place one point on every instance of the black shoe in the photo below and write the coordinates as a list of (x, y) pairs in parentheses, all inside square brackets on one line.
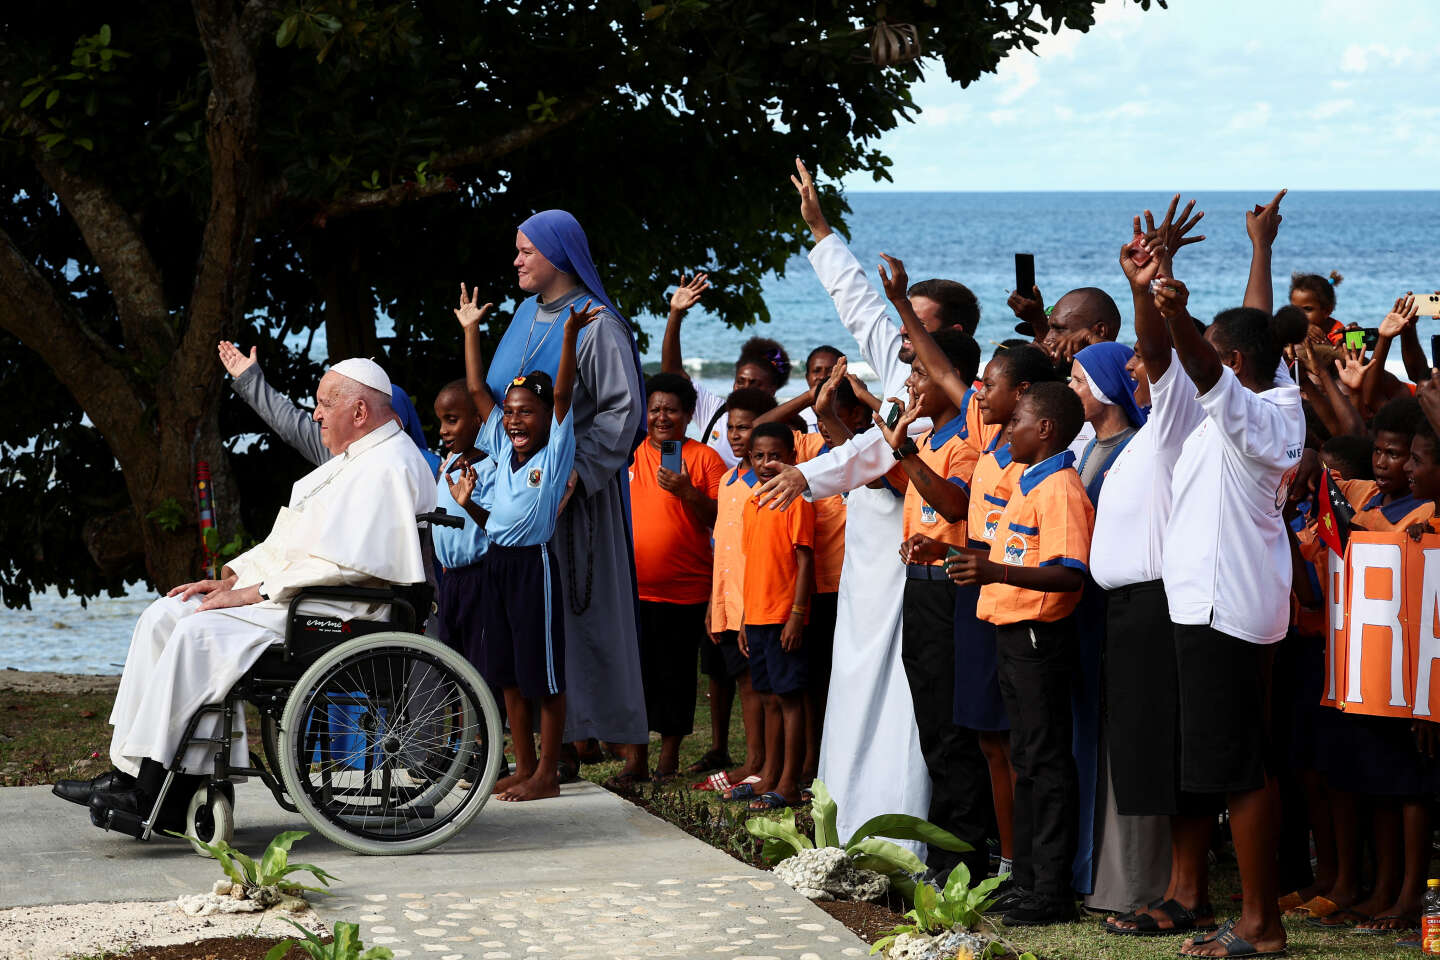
[(135, 804), (1009, 894), (1037, 910), (80, 791)]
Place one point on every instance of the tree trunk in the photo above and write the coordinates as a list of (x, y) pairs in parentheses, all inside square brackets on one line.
[(349, 309)]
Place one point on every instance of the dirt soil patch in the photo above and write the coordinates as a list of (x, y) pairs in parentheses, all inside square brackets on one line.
[(868, 921), (220, 948)]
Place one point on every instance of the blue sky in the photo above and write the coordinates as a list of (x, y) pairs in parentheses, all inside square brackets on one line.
[(1207, 95)]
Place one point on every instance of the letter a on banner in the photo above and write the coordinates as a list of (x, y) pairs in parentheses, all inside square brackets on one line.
[(1376, 648)]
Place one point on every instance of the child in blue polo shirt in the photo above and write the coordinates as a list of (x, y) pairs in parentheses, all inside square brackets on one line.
[(464, 488), (531, 438)]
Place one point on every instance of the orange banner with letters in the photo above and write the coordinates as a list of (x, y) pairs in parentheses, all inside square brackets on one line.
[(1383, 633)]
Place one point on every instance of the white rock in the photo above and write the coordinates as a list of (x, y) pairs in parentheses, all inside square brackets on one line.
[(827, 874)]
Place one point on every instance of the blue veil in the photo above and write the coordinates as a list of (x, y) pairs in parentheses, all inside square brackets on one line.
[(1104, 366)]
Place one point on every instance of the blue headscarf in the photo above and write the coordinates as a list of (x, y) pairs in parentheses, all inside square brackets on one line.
[(1110, 383), (410, 423), (561, 240)]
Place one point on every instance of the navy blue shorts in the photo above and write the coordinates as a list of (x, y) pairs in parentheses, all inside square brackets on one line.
[(772, 670), (722, 660), (524, 644), (462, 610)]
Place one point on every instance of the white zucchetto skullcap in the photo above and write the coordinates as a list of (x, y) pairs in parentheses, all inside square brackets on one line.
[(364, 371)]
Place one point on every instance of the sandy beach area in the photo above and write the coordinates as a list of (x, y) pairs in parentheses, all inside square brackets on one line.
[(28, 681)]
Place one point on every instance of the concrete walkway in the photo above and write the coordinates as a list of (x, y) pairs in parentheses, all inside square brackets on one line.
[(588, 875)]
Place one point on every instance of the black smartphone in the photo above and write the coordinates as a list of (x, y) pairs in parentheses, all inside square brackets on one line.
[(893, 417), (1365, 337), (670, 455), (1025, 274), (1435, 351)]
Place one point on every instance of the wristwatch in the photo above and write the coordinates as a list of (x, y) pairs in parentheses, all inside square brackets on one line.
[(906, 449)]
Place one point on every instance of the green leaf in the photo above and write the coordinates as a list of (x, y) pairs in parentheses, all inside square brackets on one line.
[(85, 143), (774, 850), (277, 855), (823, 811), (347, 939), (104, 35), (248, 866), (51, 100), (279, 950), (904, 860), (321, 875), (958, 882), (378, 953), (926, 898), (286, 33), (765, 828), (902, 826), (31, 97), (655, 11)]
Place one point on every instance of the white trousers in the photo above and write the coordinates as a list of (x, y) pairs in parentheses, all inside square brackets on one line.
[(180, 659)]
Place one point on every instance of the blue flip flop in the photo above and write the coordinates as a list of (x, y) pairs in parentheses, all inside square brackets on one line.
[(741, 791), (769, 801)]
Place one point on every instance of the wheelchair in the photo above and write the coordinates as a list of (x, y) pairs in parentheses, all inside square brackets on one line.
[(384, 740)]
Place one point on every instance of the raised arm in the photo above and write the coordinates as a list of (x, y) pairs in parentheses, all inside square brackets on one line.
[(936, 362), (825, 404), (784, 412), (565, 373), (1343, 417), (1401, 316), (1199, 359), (291, 423), (1262, 224), (685, 296), (950, 500), (470, 316), (1140, 259)]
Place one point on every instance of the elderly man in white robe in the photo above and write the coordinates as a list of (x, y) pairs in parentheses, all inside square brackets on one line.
[(350, 522)]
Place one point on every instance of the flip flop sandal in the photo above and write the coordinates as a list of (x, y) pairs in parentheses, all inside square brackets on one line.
[(1407, 923), (743, 790), (1343, 919), (1315, 907), (1290, 901), (659, 778), (769, 801), (625, 780), (712, 760), (1235, 945), (1182, 919), (1129, 915), (719, 782)]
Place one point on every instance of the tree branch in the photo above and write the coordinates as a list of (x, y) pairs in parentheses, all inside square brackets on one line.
[(489, 151)]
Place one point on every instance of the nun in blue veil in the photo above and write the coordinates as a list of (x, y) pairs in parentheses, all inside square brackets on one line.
[(604, 698)]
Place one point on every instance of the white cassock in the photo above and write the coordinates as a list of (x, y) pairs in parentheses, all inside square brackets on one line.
[(870, 755), (350, 522)]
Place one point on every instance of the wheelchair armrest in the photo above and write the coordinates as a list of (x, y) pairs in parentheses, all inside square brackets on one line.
[(389, 595)]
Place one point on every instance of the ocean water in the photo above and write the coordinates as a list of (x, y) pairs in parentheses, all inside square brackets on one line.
[(1383, 242)]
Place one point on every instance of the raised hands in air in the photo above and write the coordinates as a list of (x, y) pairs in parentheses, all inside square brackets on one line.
[(468, 313), (579, 319), (1171, 297), (462, 487), (1351, 369), (1152, 249), (1029, 308), (688, 293), (1402, 315), (235, 362), (810, 202), (1263, 222)]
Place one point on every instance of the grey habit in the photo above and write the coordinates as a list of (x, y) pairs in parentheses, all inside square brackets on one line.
[(603, 695)]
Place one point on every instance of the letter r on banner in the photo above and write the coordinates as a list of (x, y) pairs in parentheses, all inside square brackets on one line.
[(1374, 622)]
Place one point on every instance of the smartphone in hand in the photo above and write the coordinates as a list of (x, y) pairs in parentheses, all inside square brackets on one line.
[(1025, 274), (1363, 338), (893, 417), (670, 455), (1428, 305), (1435, 351)]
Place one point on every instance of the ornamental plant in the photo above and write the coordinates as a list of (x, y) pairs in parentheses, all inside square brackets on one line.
[(866, 848), (345, 945), (274, 865)]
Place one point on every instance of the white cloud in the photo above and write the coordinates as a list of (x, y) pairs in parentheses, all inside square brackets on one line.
[(943, 115), (1339, 84), (1358, 57), (1330, 108), (1003, 118), (1251, 118), (1130, 110), (1064, 114), (1020, 73)]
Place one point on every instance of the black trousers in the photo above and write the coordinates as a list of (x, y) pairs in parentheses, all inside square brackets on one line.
[(1036, 662), (959, 778)]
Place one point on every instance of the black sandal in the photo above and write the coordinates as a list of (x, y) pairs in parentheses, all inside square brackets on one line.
[(1183, 920), (1235, 945), (1129, 916), (714, 759)]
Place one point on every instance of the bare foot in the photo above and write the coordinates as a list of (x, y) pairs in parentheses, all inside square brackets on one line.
[(538, 787), (516, 778)]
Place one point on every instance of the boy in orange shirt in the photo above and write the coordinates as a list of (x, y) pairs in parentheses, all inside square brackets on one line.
[(779, 578), (1030, 584), (721, 659)]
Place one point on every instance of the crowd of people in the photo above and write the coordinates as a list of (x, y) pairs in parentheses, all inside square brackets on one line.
[(1064, 597)]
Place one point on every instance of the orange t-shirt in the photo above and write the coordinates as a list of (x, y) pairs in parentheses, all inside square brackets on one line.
[(673, 557), (949, 455), (990, 489), (727, 599), (976, 432), (1048, 521), (1374, 514), (829, 520), (770, 539)]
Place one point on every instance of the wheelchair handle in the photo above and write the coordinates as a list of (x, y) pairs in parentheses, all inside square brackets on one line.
[(440, 518)]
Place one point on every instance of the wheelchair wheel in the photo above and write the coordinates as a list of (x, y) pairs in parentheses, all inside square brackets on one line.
[(377, 735), (211, 822)]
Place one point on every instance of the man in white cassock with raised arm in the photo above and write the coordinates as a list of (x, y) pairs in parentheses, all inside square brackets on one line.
[(350, 522), (870, 755)]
